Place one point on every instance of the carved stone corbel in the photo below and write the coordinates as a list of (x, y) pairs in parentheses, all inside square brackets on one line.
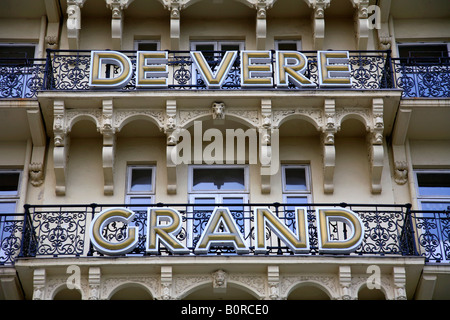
[(329, 152), (261, 23), (273, 281), (109, 145), (94, 283), (74, 22), (376, 152), (174, 6), (61, 147), (117, 7), (345, 280), (170, 128), (36, 167), (399, 274), (318, 21), (265, 141), (399, 138), (36, 174), (166, 283), (361, 23), (39, 284)]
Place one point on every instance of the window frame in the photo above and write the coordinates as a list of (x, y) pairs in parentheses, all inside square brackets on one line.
[(215, 167), (429, 198), (12, 198), (139, 194), (296, 193), (217, 43), (412, 44), (298, 43), (137, 42)]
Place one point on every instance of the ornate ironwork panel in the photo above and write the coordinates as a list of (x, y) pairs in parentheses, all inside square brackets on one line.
[(433, 235), (423, 77), (11, 230), (21, 79), (62, 230)]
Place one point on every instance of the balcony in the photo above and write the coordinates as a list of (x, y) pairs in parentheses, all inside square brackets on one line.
[(62, 231), (21, 78), (370, 70)]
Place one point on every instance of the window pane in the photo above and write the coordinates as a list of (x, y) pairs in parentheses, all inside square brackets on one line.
[(7, 207), (437, 206), (9, 183), (434, 184), (147, 46), (229, 47), (416, 51), (141, 180), (14, 55), (218, 179), (290, 46), (295, 179)]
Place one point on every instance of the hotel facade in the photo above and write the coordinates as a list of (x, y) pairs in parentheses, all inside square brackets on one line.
[(224, 149)]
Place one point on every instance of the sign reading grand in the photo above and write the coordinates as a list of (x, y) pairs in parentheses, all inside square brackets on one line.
[(261, 69), (163, 225)]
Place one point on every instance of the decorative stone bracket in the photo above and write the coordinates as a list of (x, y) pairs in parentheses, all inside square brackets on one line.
[(74, 22), (318, 21), (170, 127), (361, 23), (117, 7)]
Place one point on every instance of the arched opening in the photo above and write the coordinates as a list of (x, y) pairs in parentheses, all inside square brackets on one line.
[(352, 160), (68, 294), (370, 294), (308, 292), (132, 292), (84, 166), (222, 142), (207, 292)]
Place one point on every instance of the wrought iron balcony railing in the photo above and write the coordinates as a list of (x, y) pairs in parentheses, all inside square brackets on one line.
[(21, 78), (423, 77), (69, 71), (62, 230)]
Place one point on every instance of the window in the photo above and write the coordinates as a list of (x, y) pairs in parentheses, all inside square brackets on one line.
[(422, 69), (140, 185), (9, 190), (296, 183), (146, 45), (211, 186), (433, 189), (424, 51), (288, 45), (16, 54), (433, 194), (296, 190)]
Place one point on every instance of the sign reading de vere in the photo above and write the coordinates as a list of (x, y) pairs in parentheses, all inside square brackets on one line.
[(163, 225), (258, 69)]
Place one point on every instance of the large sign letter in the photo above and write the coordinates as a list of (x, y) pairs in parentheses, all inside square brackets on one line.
[(256, 69), (164, 225), (291, 65), (334, 69), (151, 69), (101, 59), (214, 80), (105, 217), (298, 242), (229, 235), (352, 221)]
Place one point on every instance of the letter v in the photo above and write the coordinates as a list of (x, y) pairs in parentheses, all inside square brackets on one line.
[(212, 79)]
